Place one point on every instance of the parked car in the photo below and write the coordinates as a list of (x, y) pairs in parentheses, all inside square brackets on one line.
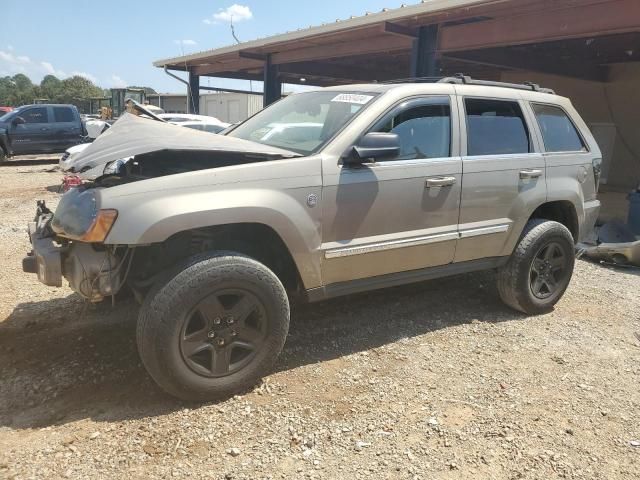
[(403, 183), (42, 128), (197, 122), (4, 110)]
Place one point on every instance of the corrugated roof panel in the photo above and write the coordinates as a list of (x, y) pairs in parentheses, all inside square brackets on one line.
[(368, 19)]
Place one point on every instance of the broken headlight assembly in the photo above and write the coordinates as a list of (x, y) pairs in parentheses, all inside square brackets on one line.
[(114, 168), (79, 217)]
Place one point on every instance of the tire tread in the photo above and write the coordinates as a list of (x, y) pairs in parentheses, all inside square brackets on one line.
[(509, 276)]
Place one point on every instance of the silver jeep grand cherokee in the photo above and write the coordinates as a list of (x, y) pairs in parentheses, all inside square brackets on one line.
[(324, 193)]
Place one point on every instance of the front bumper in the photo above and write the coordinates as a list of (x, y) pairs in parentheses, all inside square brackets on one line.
[(89, 269), (45, 259)]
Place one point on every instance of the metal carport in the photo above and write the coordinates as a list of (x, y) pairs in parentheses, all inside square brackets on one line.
[(545, 41)]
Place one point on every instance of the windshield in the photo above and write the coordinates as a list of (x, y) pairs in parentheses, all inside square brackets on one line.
[(6, 116), (303, 122)]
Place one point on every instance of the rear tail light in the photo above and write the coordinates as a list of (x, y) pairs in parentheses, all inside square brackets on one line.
[(597, 171)]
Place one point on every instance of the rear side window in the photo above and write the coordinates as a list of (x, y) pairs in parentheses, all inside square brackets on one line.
[(35, 115), (558, 131), (63, 114), (495, 127)]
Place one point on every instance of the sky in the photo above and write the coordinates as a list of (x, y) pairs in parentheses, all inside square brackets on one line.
[(114, 42)]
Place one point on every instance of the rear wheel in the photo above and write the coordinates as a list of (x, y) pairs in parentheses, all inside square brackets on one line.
[(214, 328), (539, 270)]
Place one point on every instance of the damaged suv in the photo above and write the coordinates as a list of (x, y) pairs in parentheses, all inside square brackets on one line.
[(390, 184)]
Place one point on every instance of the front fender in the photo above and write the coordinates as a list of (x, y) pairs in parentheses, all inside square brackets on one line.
[(154, 218)]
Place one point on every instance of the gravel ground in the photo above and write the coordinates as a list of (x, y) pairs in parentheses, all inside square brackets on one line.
[(432, 381)]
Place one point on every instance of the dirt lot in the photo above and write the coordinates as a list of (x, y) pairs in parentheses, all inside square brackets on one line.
[(433, 381)]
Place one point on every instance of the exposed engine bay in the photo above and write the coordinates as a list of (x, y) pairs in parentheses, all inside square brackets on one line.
[(148, 148), (166, 162)]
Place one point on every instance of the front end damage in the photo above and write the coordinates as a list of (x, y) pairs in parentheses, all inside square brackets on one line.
[(93, 270), (73, 243)]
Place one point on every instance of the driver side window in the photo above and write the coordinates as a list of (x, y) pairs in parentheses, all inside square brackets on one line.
[(35, 115), (423, 127)]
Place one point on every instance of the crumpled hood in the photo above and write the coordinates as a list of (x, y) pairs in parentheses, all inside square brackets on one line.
[(132, 135)]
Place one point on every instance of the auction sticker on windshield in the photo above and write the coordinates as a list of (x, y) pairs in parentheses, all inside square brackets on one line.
[(352, 98)]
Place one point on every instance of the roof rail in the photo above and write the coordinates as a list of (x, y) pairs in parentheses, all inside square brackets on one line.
[(461, 79), (414, 80)]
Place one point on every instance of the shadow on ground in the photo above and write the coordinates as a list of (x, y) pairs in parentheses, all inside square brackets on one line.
[(62, 361)]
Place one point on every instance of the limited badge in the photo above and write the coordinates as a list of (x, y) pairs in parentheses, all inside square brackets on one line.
[(312, 200)]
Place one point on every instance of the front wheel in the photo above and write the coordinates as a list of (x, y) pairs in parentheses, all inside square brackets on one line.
[(539, 270), (215, 328)]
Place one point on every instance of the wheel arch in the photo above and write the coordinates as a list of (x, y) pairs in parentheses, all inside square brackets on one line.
[(256, 240), (561, 211)]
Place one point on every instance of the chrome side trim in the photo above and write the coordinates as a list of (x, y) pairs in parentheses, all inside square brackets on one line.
[(474, 232), (412, 242), (389, 245)]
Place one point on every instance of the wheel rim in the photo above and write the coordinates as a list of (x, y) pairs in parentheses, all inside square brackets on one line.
[(223, 333), (548, 271)]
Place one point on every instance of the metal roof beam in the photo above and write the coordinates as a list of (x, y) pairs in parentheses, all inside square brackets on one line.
[(535, 63), (566, 21), (379, 44), (401, 30), (338, 71), (252, 56)]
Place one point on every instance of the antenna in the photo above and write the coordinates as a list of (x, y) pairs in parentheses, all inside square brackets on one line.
[(233, 30), (235, 37)]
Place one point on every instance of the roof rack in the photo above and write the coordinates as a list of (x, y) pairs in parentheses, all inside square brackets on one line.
[(461, 79), (414, 80)]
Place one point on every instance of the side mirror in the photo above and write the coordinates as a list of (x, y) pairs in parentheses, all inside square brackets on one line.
[(375, 146), (17, 121)]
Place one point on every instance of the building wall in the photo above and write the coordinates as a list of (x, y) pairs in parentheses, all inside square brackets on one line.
[(230, 107), (225, 106), (616, 102), (172, 104)]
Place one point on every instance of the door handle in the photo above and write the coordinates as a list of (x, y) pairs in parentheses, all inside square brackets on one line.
[(440, 182), (530, 174), (44, 129)]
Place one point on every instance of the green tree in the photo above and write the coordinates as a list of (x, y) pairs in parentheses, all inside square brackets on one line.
[(17, 90), (50, 86), (23, 83), (6, 87), (76, 89)]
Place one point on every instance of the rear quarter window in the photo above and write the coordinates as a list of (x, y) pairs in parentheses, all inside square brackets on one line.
[(558, 131)]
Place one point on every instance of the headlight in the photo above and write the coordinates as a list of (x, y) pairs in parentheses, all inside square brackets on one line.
[(101, 226), (113, 168), (78, 217)]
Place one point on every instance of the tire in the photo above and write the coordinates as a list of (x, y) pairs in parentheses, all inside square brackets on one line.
[(214, 327), (540, 268), (3, 155)]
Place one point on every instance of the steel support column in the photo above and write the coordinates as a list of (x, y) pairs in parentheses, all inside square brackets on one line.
[(193, 95), (424, 54), (272, 84)]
